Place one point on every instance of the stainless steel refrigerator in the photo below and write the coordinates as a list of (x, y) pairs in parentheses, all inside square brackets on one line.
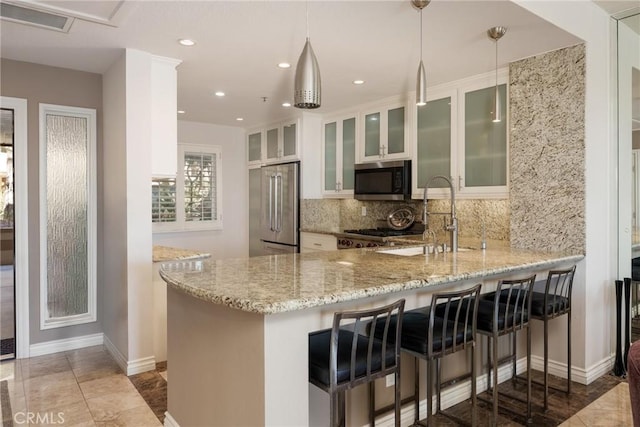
[(279, 210)]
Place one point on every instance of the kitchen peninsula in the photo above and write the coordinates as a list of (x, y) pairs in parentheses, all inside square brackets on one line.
[(238, 328)]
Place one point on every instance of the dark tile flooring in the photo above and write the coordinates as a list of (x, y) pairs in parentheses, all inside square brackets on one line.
[(153, 389)]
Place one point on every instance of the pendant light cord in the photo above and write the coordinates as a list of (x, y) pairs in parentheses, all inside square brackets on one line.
[(307, 10), (497, 64), (420, 35)]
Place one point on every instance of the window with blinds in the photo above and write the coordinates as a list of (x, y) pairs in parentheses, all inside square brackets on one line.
[(199, 187), (163, 200), (191, 201)]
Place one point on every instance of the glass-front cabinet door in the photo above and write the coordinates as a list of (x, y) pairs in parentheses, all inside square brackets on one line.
[(273, 149), (384, 131), (339, 152), (434, 142), (254, 148), (485, 159)]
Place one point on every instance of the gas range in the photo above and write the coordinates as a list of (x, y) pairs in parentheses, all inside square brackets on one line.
[(371, 237)]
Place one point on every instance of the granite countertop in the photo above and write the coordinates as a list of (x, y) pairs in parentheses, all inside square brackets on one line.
[(167, 253), (282, 283)]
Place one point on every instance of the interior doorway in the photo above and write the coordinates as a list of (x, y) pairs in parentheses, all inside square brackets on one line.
[(7, 236)]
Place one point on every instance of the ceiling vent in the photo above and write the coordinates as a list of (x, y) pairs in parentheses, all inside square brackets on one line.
[(38, 18)]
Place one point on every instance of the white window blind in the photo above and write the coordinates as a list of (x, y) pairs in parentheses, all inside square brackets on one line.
[(193, 200)]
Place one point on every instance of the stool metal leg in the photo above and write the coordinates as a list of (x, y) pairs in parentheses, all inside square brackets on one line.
[(337, 409), (514, 369), (569, 352), (438, 379), (416, 391), (474, 400), (398, 400), (546, 362), (429, 391), (372, 403), (528, 373), (495, 378)]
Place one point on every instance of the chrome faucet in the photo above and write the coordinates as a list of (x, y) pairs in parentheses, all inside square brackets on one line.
[(453, 226)]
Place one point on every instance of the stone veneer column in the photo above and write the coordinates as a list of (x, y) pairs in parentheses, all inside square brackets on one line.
[(547, 150)]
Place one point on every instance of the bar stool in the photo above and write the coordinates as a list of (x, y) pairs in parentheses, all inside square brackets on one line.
[(430, 334), (503, 312), (554, 302), (346, 356)]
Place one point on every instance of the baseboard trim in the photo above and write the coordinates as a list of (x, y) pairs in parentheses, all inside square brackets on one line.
[(169, 421), (143, 364), (130, 367), (459, 393), (65, 344)]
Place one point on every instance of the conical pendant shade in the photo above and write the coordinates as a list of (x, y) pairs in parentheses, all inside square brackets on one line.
[(306, 91), (421, 86)]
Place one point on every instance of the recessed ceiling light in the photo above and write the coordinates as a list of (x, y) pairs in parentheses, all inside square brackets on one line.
[(186, 42), (286, 104), (284, 65), (180, 111), (239, 119), (358, 82), (220, 93)]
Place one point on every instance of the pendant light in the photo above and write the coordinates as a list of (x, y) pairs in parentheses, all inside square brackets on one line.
[(421, 80), (496, 33), (306, 90)]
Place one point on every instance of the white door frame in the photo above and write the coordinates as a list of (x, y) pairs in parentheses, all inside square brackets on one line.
[(21, 211)]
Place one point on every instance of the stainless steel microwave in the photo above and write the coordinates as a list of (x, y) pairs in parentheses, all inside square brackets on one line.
[(383, 180)]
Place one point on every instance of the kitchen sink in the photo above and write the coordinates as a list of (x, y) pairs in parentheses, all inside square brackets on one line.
[(413, 250)]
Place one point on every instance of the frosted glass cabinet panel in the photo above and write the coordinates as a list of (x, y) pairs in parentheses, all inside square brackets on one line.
[(434, 141), (289, 140), (339, 153), (272, 144), (67, 216), (255, 147), (485, 150), (330, 159), (348, 152), (395, 131), (372, 135), (384, 134)]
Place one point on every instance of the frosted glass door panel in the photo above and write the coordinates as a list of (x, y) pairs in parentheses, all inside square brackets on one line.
[(272, 143), (289, 137), (395, 131), (485, 141), (434, 141), (255, 147), (330, 156), (68, 216), (348, 152), (372, 135)]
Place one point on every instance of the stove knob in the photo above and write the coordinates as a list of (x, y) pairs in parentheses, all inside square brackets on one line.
[(358, 245), (349, 242)]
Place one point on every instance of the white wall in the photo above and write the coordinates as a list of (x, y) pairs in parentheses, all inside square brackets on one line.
[(114, 281), (233, 240), (593, 288)]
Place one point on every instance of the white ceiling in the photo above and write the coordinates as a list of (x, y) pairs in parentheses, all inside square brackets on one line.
[(239, 44)]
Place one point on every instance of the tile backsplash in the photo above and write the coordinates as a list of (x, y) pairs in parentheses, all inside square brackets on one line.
[(331, 215)]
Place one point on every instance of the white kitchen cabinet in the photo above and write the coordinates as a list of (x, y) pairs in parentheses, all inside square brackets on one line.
[(274, 144), (164, 123), (384, 131), (456, 137), (338, 155), (312, 242)]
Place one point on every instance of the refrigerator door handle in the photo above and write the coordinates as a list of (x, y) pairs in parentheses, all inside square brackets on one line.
[(276, 210), (271, 202), (279, 201)]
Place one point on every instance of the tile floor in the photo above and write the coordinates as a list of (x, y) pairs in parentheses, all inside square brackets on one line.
[(86, 388)]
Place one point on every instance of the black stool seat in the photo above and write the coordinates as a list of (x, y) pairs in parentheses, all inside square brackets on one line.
[(319, 354), (415, 325), (506, 313), (555, 304)]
